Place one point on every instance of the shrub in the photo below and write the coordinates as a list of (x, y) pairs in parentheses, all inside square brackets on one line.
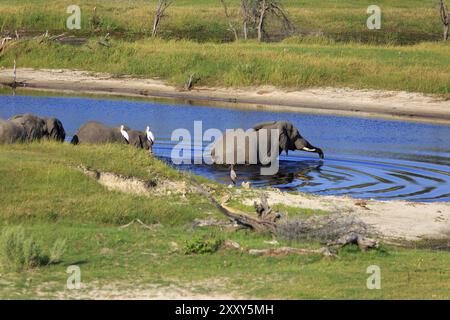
[(58, 249), (207, 244), (19, 252)]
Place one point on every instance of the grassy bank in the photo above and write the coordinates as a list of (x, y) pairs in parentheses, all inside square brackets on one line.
[(42, 191), (405, 21), (293, 63)]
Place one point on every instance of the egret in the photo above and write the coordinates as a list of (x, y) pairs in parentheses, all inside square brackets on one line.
[(124, 133), (150, 135), (233, 175)]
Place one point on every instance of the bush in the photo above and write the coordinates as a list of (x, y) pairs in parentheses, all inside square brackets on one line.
[(19, 252), (207, 244), (58, 249)]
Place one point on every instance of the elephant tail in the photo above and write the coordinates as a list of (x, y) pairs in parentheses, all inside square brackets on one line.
[(75, 140)]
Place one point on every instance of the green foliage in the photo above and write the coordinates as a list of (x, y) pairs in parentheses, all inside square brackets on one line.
[(404, 21), (19, 252), (296, 63), (207, 244)]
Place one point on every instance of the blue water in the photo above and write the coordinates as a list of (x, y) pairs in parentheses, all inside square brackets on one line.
[(364, 158)]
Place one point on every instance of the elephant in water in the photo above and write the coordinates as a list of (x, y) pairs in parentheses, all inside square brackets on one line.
[(97, 133), (28, 127), (288, 138)]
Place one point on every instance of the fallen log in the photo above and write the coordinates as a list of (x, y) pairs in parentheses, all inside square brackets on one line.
[(363, 243)]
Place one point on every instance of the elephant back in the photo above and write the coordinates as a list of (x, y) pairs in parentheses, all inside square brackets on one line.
[(11, 132), (97, 133), (35, 127)]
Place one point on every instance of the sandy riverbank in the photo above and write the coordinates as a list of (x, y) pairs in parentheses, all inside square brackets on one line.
[(367, 103)]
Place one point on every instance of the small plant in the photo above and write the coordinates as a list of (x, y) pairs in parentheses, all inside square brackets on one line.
[(56, 252), (19, 252), (207, 244)]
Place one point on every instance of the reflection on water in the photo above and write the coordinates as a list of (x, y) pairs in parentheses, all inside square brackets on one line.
[(364, 158)]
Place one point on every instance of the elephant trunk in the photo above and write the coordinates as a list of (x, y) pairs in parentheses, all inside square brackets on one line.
[(304, 145)]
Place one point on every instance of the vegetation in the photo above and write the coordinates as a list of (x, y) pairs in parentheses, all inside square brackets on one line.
[(54, 216), (19, 252), (294, 63), (406, 21), (43, 192)]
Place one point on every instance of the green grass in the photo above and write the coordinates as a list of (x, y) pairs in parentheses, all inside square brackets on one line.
[(403, 21), (42, 192), (290, 64)]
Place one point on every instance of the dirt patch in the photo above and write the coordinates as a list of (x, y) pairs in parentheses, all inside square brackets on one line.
[(127, 291), (136, 186), (396, 220)]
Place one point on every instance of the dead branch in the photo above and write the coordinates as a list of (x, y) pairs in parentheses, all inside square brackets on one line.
[(105, 41), (230, 24), (14, 84), (159, 14), (353, 238), (289, 250), (138, 221), (4, 43), (192, 80), (95, 20)]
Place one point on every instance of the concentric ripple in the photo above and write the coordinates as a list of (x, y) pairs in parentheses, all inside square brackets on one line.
[(364, 158)]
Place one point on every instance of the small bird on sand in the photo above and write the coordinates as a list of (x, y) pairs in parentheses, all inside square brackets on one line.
[(233, 175), (124, 133)]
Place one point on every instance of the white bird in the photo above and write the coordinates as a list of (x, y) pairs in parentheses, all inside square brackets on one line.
[(124, 133), (233, 175), (150, 135)]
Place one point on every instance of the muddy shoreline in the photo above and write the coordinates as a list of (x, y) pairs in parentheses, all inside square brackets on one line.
[(347, 102)]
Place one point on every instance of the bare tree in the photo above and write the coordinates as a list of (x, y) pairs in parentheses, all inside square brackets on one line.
[(255, 13), (230, 23), (162, 6), (445, 17), (249, 14)]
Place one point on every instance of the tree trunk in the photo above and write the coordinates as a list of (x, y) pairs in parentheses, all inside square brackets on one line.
[(446, 32), (155, 25), (261, 20), (245, 30)]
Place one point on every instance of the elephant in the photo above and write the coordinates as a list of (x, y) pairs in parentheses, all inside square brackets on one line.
[(11, 132), (28, 127), (97, 133), (289, 139)]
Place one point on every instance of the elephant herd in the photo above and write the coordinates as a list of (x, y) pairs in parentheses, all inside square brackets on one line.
[(28, 128)]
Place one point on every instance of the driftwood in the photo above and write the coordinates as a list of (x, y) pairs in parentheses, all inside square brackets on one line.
[(282, 251), (353, 238), (192, 80), (267, 222), (14, 84), (105, 41), (289, 250)]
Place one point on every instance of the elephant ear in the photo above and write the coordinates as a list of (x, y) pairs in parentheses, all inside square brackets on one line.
[(55, 129)]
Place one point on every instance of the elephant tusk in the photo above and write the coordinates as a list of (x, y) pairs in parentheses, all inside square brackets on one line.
[(309, 150)]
